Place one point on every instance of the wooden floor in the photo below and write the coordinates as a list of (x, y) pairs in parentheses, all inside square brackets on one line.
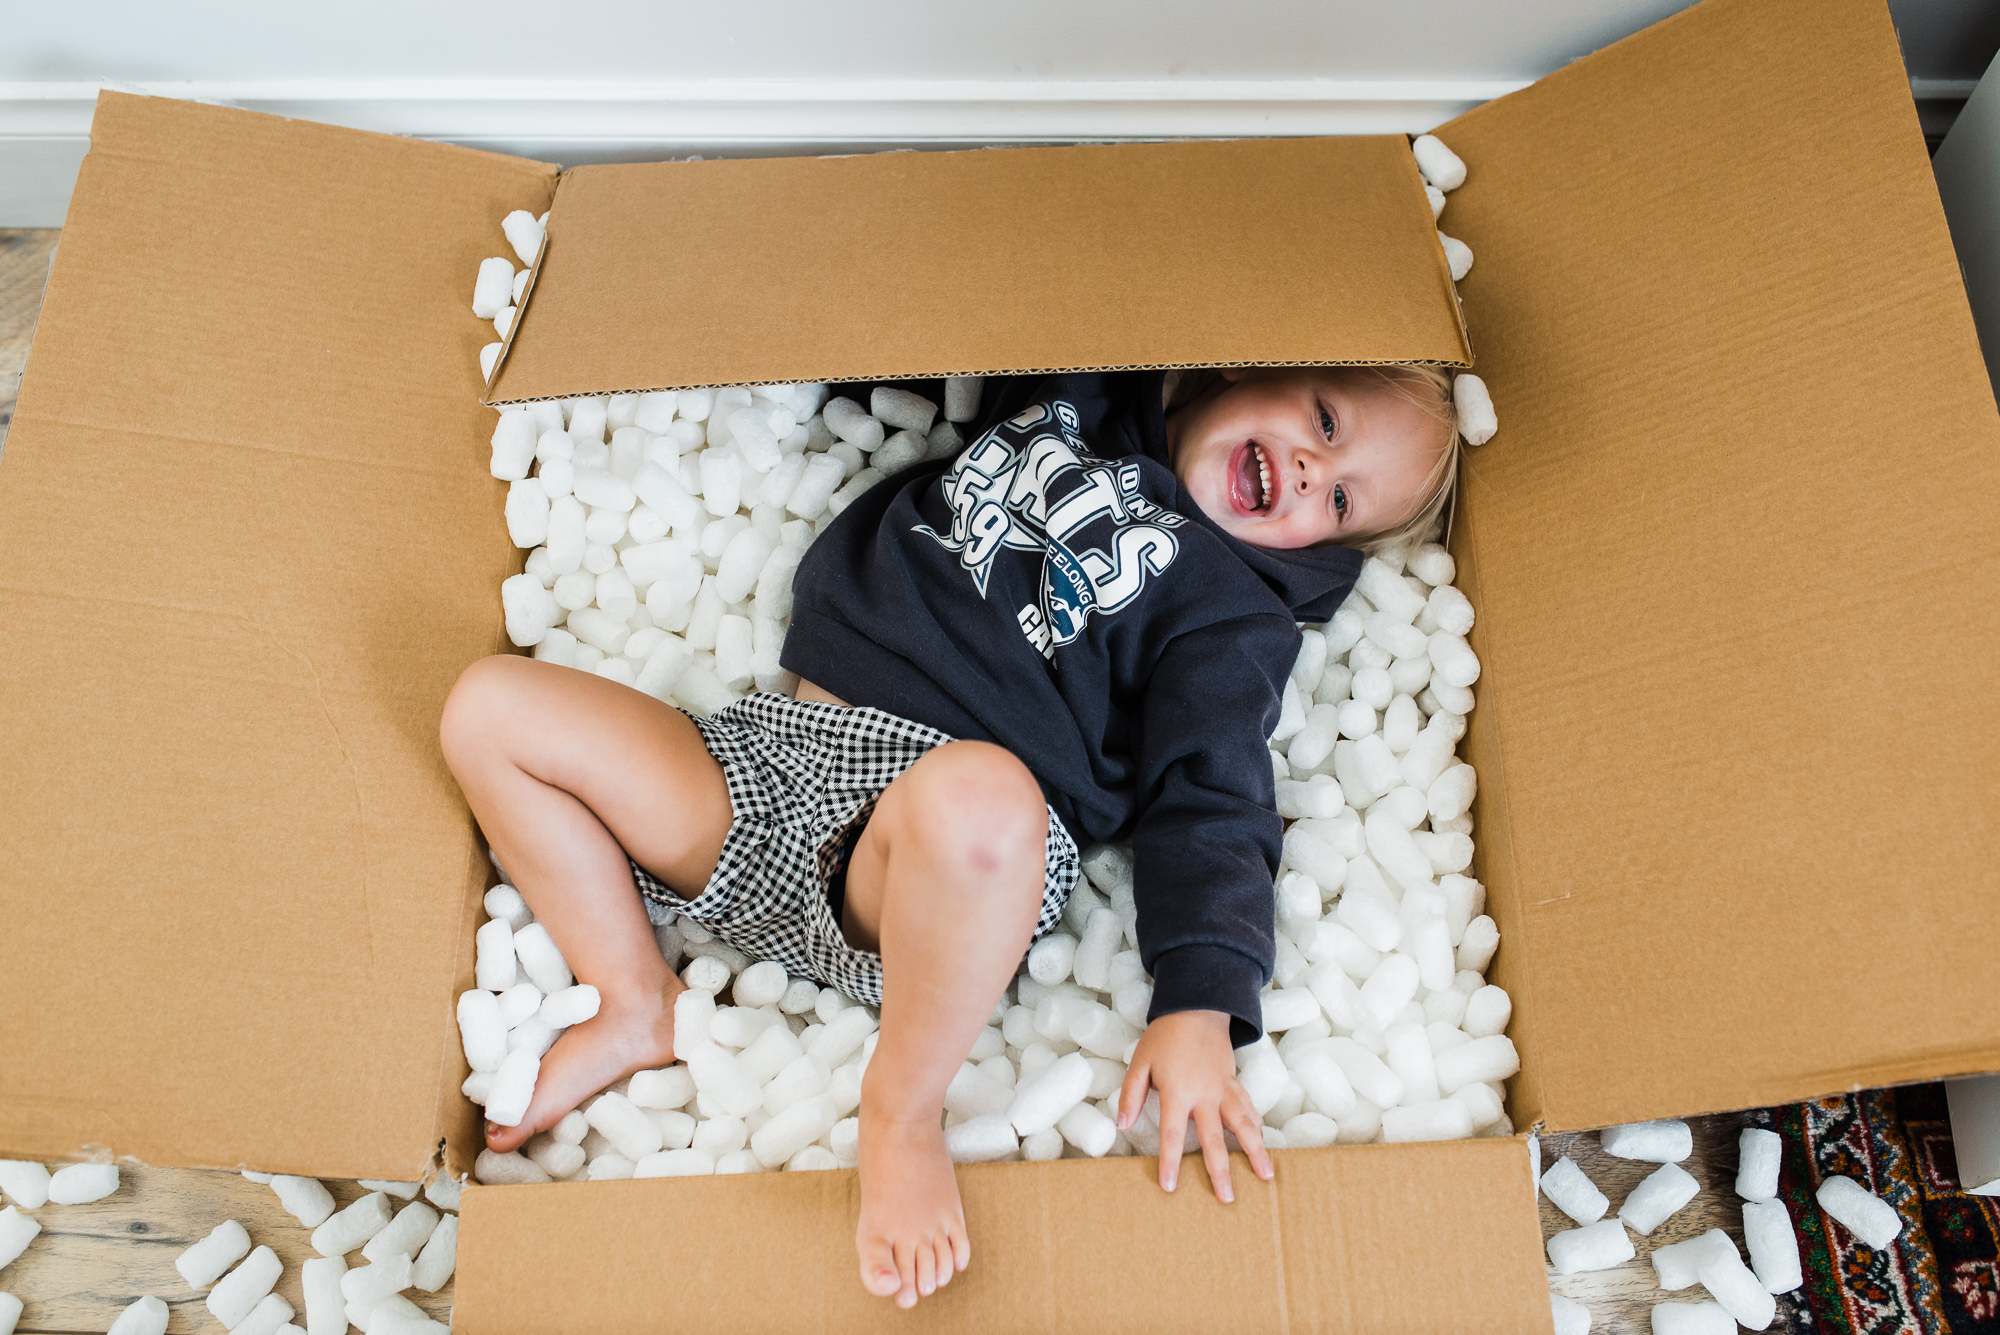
[(92, 1260)]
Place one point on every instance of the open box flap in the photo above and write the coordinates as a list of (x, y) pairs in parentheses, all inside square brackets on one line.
[(247, 501), (1369, 1240), (915, 264), (1733, 555)]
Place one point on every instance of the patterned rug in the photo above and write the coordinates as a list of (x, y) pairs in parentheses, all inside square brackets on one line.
[(1941, 1276)]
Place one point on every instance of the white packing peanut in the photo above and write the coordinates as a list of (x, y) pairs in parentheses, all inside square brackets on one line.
[(17, 1230), (202, 1264), (148, 1316), (1439, 165), (238, 1292), (1656, 1142), (306, 1199), (1867, 1216), (81, 1183)]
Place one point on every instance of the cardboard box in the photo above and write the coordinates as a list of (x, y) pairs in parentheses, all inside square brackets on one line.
[(1738, 511)]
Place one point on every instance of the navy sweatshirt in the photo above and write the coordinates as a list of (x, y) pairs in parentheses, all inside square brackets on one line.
[(1056, 591)]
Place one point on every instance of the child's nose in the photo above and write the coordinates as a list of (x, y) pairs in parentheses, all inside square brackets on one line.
[(1307, 473)]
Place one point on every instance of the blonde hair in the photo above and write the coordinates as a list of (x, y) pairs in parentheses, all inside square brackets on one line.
[(1426, 386), (1429, 388)]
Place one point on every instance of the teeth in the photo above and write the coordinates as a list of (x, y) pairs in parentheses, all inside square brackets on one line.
[(1263, 478)]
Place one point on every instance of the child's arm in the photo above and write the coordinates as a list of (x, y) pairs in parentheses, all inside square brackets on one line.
[(1206, 845)]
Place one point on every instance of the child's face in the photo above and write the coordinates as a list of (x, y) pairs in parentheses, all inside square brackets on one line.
[(1286, 457)]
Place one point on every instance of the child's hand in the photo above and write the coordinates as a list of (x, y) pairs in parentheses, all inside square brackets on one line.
[(1187, 1057)]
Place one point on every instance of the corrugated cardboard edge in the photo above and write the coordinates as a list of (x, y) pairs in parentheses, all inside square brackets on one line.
[(602, 390), (520, 314), (1386, 234), (1427, 1237)]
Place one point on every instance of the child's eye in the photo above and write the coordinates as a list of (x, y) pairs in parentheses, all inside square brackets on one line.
[(1340, 501), (1326, 423)]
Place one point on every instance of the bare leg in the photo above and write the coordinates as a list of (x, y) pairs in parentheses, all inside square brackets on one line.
[(947, 878), (566, 771)]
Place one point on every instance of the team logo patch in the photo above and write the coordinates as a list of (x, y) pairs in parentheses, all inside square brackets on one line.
[(1032, 487)]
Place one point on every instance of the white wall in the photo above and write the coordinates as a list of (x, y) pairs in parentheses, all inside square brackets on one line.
[(1968, 177), (625, 80)]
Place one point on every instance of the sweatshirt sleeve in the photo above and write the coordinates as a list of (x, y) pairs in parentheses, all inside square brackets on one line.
[(1207, 840)]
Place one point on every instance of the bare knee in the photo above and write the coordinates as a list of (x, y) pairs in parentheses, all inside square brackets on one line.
[(481, 696), (978, 804)]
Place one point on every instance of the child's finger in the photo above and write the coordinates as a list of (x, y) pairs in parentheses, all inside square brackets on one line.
[(1132, 1095), (1173, 1132), (1214, 1152), (1249, 1129)]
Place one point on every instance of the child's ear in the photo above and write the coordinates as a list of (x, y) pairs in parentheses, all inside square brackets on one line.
[(1231, 373)]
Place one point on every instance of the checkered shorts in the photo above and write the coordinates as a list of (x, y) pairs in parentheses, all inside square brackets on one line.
[(803, 778)]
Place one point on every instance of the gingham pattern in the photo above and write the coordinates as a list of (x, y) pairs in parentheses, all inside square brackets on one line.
[(802, 775)]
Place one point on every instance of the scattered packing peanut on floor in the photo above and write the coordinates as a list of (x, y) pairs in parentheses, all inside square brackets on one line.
[(1774, 1246), (1570, 1190), (81, 1183), (1571, 1318), (350, 1228), (1867, 1216), (394, 1312), (439, 1257), (1654, 1142), (1692, 1319), (25, 1182), (405, 1234), (326, 1307), (271, 1314), (1594, 1247), (146, 1316), (1741, 1294), (239, 1291), (1678, 1265), (202, 1264), (304, 1198), (1759, 1153), (1658, 1198), (10, 1313), (16, 1232)]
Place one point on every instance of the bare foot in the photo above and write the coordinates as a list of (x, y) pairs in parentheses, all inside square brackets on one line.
[(912, 1231), (630, 1033)]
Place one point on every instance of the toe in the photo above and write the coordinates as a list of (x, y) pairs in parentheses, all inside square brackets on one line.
[(878, 1269), (926, 1259), (906, 1268), (961, 1248), (942, 1248), (502, 1139)]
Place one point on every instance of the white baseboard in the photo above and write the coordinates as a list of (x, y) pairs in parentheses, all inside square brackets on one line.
[(45, 127)]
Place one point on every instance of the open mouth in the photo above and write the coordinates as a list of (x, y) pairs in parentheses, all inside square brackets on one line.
[(1250, 479)]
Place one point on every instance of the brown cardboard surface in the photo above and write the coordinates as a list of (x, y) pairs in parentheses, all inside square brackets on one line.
[(1372, 1240), (908, 264), (1733, 556), (247, 499)]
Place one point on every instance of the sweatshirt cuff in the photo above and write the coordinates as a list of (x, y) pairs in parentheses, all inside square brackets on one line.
[(1210, 978)]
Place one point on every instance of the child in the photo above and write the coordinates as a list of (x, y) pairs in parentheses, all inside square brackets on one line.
[(1078, 630)]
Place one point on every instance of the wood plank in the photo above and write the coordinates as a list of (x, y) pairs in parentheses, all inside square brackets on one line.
[(24, 270), (91, 1261)]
